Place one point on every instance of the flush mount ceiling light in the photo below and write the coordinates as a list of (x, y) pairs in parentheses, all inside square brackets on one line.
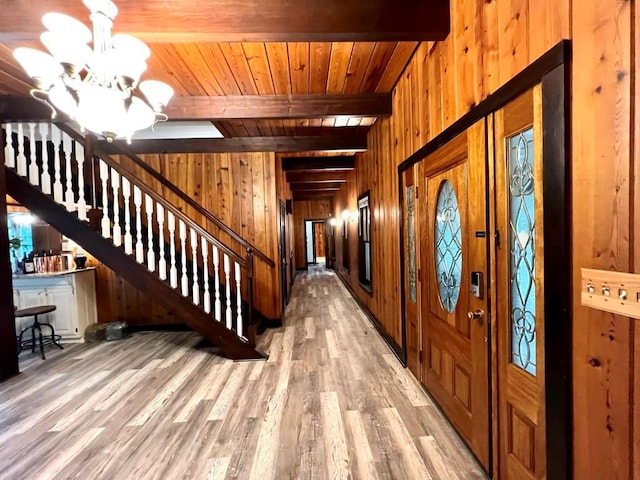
[(97, 88)]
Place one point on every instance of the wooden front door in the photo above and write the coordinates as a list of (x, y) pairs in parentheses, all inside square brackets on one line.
[(520, 289), (455, 321)]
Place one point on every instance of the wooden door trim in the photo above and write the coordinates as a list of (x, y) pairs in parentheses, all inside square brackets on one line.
[(553, 70)]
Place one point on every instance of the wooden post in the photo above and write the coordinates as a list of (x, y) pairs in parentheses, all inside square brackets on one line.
[(8, 346)]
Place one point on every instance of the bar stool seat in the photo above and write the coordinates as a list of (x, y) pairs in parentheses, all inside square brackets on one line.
[(37, 325)]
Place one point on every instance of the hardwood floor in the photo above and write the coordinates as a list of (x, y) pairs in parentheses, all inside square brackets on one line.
[(331, 402)]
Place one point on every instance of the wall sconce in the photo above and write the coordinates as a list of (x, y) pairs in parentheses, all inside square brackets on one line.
[(333, 222), (350, 216)]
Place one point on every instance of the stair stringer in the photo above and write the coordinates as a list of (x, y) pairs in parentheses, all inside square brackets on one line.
[(124, 265)]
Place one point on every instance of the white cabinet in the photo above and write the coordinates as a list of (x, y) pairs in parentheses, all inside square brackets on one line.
[(73, 294)]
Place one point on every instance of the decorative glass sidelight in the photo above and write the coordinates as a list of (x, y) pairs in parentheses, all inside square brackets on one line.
[(411, 234), (448, 246), (522, 241)]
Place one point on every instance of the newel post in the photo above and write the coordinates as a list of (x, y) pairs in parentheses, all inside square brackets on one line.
[(251, 327)]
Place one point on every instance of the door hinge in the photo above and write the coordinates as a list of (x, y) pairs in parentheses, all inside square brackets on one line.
[(497, 237), (420, 357), (416, 192), (419, 275)]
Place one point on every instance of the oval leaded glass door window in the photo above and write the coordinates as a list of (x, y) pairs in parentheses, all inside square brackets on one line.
[(448, 246)]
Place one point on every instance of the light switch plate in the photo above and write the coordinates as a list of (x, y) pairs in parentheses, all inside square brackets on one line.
[(615, 292)]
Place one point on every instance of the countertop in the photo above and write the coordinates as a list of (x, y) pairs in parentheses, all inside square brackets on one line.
[(21, 276)]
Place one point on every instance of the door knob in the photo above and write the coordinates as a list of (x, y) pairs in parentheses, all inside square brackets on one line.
[(477, 315)]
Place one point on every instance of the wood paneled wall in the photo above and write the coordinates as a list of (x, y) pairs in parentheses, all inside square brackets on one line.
[(490, 42), (240, 189), (306, 210)]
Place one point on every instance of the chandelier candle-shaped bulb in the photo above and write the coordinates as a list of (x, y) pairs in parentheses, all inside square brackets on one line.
[(95, 87)]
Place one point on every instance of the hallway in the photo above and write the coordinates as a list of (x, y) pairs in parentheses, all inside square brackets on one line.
[(332, 401)]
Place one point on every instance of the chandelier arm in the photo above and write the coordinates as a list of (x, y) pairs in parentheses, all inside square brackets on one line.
[(42, 97)]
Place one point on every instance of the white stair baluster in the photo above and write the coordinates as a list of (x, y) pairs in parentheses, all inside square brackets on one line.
[(82, 202), (117, 230), (33, 166), (104, 177), (216, 284), (239, 329), (162, 263), (21, 159), (151, 255), (227, 275), (9, 152), (204, 245), (137, 201), (57, 183), (46, 178), (126, 195), (183, 255), (194, 254), (69, 200), (173, 271)]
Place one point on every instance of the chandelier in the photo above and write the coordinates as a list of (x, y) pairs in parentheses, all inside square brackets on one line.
[(97, 88)]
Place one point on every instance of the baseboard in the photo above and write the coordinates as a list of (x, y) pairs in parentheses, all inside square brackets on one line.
[(393, 345)]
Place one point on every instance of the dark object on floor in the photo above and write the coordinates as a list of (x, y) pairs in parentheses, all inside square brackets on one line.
[(115, 331), (42, 340), (95, 332)]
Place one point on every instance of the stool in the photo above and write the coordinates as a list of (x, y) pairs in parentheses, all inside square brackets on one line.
[(42, 340)]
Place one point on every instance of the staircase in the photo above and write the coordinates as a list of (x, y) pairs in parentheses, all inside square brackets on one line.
[(135, 232)]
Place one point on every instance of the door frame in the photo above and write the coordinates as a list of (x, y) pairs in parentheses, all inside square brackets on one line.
[(553, 70), (314, 221)]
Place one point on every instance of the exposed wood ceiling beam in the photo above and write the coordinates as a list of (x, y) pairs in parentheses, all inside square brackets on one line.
[(302, 196), (320, 177), (318, 163), (244, 107), (249, 20), (236, 107), (296, 187), (240, 144)]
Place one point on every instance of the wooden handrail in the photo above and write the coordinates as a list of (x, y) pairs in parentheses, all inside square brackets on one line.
[(149, 191), (192, 203)]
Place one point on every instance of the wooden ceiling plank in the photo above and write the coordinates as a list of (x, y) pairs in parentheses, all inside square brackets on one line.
[(223, 128), (380, 57), (250, 20), (399, 60), (319, 59), (317, 177), (191, 62), (299, 67), (338, 66), (360, 59), (277, 106), (158, 70), (257, 59), (341, 163), (264, 127), (240, 144), (237, 61), (278, 58), (177, 69), (219, 68)]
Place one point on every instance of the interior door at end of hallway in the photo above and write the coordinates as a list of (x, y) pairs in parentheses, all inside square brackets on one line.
[(455, 321)]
